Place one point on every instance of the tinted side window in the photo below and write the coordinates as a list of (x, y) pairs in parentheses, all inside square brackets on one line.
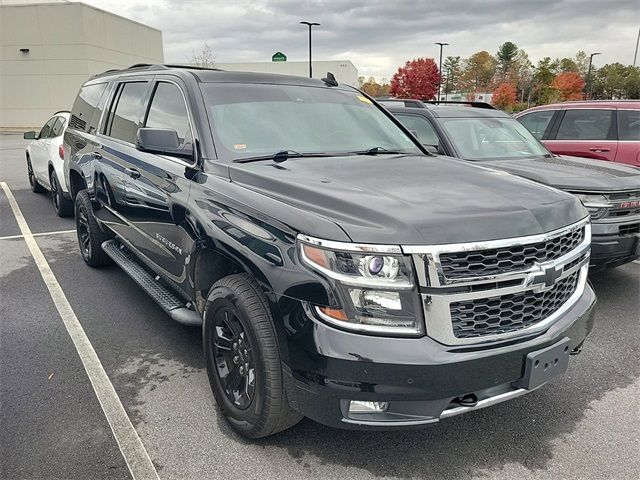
[(46, 130), (56, 131), (127, 111), (586, 125), (422, 128), (84, 114), (629, 125), (168, 110), (537, 122)]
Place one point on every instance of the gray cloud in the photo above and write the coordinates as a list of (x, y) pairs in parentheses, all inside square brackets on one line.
[(378, 36)]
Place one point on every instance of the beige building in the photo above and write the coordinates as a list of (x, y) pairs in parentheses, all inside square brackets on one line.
[(344, 70), (48, 49)]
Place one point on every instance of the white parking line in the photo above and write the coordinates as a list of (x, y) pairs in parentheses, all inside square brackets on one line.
[(636, 261), (133, 451), (41, 234)]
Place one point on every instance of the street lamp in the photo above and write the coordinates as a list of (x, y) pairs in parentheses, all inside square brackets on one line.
[(310, 24), (440, 67), (446, 85), (587, 87)]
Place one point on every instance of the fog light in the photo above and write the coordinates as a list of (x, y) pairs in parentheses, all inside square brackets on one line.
[(356, 406)]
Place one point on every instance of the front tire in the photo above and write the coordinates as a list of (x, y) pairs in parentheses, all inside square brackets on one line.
[(90, 236), (35, 186), (243, 360), (63, 206)]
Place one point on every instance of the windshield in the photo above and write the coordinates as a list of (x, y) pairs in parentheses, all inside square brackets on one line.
[(252, 120), (492, 138)]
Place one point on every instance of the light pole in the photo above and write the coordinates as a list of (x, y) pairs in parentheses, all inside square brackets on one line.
[(310, 24), (587, 87), (446, 85), (440, 67)]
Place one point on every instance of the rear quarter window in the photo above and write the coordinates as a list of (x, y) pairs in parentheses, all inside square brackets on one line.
[(85, 114), (629, 125)]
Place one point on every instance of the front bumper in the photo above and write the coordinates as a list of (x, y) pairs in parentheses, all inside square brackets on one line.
[(614, 243), (418, 377)]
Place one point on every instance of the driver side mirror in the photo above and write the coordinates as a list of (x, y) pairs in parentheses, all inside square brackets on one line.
[(29, 135), (163, 141)]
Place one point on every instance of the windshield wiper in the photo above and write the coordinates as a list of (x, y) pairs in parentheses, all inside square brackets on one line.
[(376, 151), (280, 156)]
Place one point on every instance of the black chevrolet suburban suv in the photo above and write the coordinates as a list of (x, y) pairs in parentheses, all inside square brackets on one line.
[(610, 191), (339, 271)]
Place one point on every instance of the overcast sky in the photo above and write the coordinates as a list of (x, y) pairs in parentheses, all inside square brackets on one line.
[(379, 35)]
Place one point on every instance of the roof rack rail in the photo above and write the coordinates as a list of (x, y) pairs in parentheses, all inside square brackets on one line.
[(486, 105), (191, 67)]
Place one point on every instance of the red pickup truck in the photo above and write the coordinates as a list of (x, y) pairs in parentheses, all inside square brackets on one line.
[(605, 130)]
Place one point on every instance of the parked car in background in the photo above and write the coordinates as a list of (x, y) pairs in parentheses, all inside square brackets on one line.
[(45, 159), (604, 130), (339, 270), (492, 138)]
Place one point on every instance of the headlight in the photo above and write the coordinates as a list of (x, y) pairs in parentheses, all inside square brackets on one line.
[(596, 204), (373, 283)]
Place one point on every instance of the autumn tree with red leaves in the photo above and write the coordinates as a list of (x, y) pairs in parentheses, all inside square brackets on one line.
[(504, 97), (569, 85), (417, 79)]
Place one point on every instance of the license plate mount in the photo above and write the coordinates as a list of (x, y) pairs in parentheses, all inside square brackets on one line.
[(545, 364)]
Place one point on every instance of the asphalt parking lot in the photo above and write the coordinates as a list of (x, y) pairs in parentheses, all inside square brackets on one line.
[(585, 425)]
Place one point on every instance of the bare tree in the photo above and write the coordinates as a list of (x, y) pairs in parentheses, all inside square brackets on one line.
[(204, 58)]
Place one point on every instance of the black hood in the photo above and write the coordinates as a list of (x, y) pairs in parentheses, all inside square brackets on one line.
[(574, 173), (413, 199)]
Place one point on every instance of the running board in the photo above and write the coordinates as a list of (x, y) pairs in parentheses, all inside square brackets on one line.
[(162, 295)]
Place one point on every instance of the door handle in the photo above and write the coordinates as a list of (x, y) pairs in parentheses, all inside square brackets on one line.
[(599, 149), (132, 172), (96, 155)]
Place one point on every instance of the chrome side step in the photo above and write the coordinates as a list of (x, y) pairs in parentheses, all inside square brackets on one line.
[(162, 295)]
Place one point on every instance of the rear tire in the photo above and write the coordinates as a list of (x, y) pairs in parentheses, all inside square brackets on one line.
[(238, 325), (62, 205), (90, 236), (35, 186)]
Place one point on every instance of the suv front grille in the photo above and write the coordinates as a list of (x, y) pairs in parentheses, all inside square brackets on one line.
[(501, 289), (508, 259), (508, 313)]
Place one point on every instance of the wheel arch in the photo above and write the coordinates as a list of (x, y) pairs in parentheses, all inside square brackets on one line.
[(211, 265), (76, 183)]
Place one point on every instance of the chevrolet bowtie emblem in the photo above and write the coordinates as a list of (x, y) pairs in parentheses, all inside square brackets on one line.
[(550, 276), (546, 279)]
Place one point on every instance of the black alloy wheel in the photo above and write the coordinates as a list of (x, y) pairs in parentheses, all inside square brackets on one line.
[(90, 235), (63, 206), (54, 191), (243, 358), (82, 227), (233, 357)]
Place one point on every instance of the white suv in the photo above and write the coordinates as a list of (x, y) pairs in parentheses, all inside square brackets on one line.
[(45, 158)]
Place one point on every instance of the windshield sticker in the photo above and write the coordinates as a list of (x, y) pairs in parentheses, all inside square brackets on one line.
[(240, 146), (364, 99)]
